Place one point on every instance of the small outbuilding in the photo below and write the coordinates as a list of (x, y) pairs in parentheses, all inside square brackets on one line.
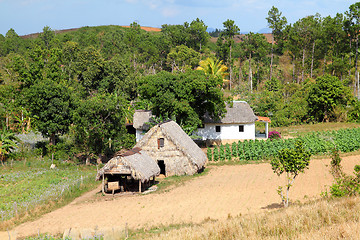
[(172, 150), (140, 123), (120, 172)]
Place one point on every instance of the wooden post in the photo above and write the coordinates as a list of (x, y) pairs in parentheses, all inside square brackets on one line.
[(139, 185), (103, 184)]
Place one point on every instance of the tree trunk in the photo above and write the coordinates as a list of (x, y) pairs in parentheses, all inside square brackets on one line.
[(250, 74), (350, 60), (240, 71), (52, 139), (294, 66), (87, 161), (356, 66), (271, 59), (303, 65), (230, 69), (324, 64), (312, 60)]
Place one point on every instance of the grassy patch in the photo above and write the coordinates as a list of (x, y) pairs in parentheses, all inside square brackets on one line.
[(30, 188)]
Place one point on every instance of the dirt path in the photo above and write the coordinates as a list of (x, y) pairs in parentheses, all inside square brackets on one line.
[(225, 190)]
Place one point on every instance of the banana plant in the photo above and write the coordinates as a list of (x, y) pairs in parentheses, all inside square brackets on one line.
[(7, 144)]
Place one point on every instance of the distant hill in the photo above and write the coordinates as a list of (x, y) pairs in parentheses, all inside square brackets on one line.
[(35, 35)]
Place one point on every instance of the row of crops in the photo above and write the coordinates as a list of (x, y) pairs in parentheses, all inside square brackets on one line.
[(346, 140), (26, 188)]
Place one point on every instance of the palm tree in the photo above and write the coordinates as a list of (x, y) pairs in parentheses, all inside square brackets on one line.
[(213, 67), (7, 144)]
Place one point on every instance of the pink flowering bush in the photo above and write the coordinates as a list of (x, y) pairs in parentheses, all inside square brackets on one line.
[(274, 135)]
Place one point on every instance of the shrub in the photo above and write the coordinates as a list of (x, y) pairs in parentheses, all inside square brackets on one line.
[(209, 154), (274, 135), (222, 153), (228, 152), (216, 154)]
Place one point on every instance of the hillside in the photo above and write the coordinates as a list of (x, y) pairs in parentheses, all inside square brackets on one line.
[(35, 35)]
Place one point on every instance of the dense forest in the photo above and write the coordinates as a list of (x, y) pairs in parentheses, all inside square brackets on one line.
[(86, 83)]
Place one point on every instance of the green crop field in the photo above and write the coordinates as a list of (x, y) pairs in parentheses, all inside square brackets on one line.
[(32, 185)]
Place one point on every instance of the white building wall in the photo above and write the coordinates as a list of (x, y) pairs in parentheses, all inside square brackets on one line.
[(139, 134), (227, 131)]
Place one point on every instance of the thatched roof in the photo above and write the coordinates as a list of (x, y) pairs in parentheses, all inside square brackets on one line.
[(135, 162), (240, 112), (140, 118), (183, 142)]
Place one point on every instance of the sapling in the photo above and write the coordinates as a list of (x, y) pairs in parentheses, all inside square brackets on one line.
[(292, 162)]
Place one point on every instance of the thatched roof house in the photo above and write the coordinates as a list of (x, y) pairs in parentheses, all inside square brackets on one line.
[(172, 149), (135, 163)]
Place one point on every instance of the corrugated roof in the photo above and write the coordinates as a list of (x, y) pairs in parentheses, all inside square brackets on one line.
[(240, 112)]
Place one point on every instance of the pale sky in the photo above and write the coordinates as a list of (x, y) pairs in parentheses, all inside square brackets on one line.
[(31, 16)]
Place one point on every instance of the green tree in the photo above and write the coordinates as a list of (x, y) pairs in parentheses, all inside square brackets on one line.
[(292, 162), (327, 93), (198, 36), (277, 23), (181, 58), (230, 30), (99, 124), (187, 96), (353, 25), (51, 106)]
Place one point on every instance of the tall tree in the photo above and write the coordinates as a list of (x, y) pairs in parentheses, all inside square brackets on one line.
[(198, 36), (230, 30), (353, 23), (186, 96), (277, 23), (51, 106), (99, 123)]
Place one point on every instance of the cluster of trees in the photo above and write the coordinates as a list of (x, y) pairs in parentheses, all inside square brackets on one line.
[(87, 82)]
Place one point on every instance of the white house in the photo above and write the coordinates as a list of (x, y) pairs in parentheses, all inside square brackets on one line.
[(238, 123), (141, 118)]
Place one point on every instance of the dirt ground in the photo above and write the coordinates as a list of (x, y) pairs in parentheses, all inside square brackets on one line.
[(224, 191)]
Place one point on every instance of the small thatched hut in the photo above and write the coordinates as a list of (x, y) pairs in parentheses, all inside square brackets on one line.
[(134, 164), (172, 149)]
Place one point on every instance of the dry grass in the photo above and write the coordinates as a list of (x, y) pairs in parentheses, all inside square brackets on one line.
[(324, 219)]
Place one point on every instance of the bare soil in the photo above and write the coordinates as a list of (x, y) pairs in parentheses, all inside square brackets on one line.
[(224, 191)]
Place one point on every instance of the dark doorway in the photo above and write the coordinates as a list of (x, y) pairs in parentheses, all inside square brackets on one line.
[(161, 166)]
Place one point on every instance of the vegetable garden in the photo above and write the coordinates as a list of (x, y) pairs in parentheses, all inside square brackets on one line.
[(346, 140)]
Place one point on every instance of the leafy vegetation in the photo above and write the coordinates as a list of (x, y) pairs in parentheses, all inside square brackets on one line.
[(292, 162), (29, 188), (346, 140)]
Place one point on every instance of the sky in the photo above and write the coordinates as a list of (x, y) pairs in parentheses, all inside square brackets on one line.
[(31, 16)]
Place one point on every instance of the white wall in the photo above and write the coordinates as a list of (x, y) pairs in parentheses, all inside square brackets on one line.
[(228, 131), (139, 135)]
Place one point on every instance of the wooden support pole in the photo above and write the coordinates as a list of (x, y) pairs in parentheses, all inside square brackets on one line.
[(139, 185), (103, 184)]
